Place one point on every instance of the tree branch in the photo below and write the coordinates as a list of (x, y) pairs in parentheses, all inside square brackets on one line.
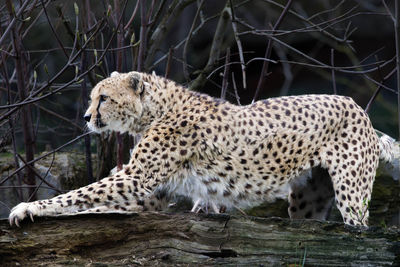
[(178, 239), (264, 70), (216, 47)]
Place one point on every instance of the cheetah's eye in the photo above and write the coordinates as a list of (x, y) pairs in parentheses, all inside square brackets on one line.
[(103, 98)]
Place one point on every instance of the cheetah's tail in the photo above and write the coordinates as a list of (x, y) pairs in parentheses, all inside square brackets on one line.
[(387, 148), (390, 153)]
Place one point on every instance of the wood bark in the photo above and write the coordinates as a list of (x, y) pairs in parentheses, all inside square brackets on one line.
[(152, 239)]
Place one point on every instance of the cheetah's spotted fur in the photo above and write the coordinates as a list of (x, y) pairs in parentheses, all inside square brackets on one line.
[(222, 155)]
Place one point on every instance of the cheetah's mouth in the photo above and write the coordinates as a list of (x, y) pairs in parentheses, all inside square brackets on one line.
[(98, 122)]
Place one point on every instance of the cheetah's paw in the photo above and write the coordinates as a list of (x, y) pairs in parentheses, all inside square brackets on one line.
[(21, 211)]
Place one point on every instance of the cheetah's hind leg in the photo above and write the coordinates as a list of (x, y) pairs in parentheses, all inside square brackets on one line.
[(353, 178), (311, 195)]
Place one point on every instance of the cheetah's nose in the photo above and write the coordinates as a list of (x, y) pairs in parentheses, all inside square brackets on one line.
[(87, 117)]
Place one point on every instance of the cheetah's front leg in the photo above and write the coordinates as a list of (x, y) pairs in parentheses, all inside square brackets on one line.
[(112, 193), (135, 188)]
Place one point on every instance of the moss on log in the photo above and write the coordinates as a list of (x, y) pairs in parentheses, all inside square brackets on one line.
[(194, 239)]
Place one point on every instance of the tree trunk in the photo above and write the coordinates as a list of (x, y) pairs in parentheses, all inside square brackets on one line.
[(26, 116), (195, 239)]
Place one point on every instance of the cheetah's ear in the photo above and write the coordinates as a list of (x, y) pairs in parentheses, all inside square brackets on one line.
[(114, 74), (136, 83)]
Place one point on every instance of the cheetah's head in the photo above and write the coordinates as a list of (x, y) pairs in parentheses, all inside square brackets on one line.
[(116, 103)]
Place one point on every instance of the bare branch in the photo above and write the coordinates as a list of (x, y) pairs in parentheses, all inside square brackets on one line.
[(381, 84), (308, 21), (177, 46), (13, 21), (43, 156), (58, 116), (44, 181), (333, 71), (235, 89), (159, 33), (53, 30), (128, 24), (169, 62), (378, 89), (37, 175), (143, 35), (185, 47), (239, 44), (51, 81), (388, 11), (226, 74), (26, 115), (264, 70), (287, 70), (215, 49)]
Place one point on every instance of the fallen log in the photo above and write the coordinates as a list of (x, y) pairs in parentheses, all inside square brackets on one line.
[(194, 239)]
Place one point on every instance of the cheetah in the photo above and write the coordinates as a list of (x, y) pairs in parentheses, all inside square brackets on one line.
[(226, 156)]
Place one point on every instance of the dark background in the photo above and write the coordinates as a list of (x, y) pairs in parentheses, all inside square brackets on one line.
[(52, 32)]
